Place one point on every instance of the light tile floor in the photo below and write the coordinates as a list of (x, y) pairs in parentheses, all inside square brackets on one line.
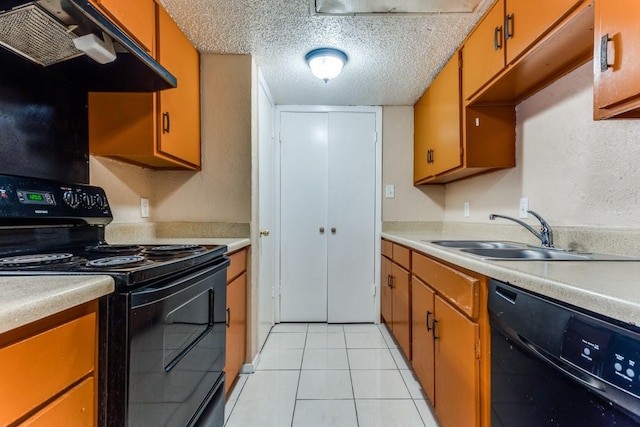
[(317, 374)]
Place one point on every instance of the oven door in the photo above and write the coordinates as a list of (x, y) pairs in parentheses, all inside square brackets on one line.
[(177, 347)]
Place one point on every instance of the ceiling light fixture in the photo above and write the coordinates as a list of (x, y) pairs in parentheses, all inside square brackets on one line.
[(326, 63)]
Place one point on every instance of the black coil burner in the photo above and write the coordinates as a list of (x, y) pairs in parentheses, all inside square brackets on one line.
[(172, 250), (115, 249), (116, 261), (37, 261)]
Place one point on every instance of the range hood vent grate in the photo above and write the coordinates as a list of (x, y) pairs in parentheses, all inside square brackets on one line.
[(32, 33)]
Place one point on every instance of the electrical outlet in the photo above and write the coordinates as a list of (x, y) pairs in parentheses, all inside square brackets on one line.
[(524, 207), (144, 207), (390, 191), (466, 209)]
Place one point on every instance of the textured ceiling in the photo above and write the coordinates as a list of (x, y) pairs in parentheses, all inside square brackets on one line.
[(392, 58)]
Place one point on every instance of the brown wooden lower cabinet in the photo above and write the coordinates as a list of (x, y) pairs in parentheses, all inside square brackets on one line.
[(395, 294), (449, 334), (236, 344), (48, 373)]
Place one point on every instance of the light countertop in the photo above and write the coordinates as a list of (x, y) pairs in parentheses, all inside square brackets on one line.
[(25, 299), (610, 288)]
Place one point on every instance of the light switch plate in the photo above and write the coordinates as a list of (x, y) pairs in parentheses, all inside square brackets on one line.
[(144, 207), (390, 191), (466, 209), (524, 207)]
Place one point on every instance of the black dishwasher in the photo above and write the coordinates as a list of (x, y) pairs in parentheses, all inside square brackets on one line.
[(557, 365)]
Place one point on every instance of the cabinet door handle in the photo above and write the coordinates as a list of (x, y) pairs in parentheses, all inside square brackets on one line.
[(435, 331), (429, 328), (508, 27), (604, 53), (497, 38), (333, 230), (391, 279), (321, 229), (228, 316), (166, 122)]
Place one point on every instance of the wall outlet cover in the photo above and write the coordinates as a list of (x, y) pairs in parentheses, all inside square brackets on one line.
[(144, 207), (524, 207), (389, 191)]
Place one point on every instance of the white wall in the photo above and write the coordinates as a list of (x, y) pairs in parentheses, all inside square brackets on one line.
[(221, 192), (410, 203), (575, 171), (124, 185)]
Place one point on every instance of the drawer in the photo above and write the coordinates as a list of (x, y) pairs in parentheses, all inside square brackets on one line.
[(461, 290), (74, 408), (39, 367), (402, 256), (238, 264), (387, 249)]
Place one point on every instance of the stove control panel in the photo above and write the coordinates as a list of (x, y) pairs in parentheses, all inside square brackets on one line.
[(28, 201)]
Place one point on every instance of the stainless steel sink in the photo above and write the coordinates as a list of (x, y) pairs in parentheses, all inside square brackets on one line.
[(544, 254), (480, 244)]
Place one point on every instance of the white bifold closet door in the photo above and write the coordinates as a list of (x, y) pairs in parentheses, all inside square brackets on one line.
[(327, 216)]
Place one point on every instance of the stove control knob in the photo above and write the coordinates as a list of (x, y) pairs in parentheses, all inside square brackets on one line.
[(71, 199), (100, 201), (87, 200)]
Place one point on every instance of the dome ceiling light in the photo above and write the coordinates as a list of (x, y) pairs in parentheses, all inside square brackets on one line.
[(326, 63)]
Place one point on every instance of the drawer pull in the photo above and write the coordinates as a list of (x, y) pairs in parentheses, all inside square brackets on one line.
[(497, 38), (508, 27)]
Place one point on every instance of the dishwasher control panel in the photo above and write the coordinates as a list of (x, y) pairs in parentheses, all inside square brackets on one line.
[(604, 352)]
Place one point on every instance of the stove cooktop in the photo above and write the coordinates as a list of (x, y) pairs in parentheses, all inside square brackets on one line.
[(127, 264)]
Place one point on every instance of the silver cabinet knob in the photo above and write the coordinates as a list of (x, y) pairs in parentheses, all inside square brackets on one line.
[(321, 230), (264, 233)]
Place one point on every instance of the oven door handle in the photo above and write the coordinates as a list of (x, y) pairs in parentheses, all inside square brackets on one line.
[(163, 289)]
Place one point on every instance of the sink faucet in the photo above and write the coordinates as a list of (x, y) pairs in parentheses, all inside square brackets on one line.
[(545, 235)]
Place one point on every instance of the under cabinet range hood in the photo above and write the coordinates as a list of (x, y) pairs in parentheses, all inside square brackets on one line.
[(73, 39)]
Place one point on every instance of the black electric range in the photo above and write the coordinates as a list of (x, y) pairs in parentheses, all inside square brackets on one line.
[(162, 332)]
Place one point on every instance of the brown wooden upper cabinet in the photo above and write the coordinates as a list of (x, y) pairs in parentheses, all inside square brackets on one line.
[(159, 130), (136, 18), (508, 29), (437, 125), (451, 141), (616, 61)]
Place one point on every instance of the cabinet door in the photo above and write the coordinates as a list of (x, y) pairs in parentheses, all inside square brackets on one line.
[(617, 20), (73, 408), (445, 118), (483, 54), (138, 18), (386, 293), (422, 315), (236, 328), (422, 166), (401, 309), (526, 21), (179, 108), (457, 368)]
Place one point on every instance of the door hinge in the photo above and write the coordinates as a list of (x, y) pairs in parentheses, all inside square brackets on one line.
[(375, 137), (477, 348), (374, 289)]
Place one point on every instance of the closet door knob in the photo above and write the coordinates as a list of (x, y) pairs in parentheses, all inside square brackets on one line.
[(264, 233), (321, 230), (333, 230)]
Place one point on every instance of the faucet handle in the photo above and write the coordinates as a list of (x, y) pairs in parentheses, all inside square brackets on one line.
[(546, 231)]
